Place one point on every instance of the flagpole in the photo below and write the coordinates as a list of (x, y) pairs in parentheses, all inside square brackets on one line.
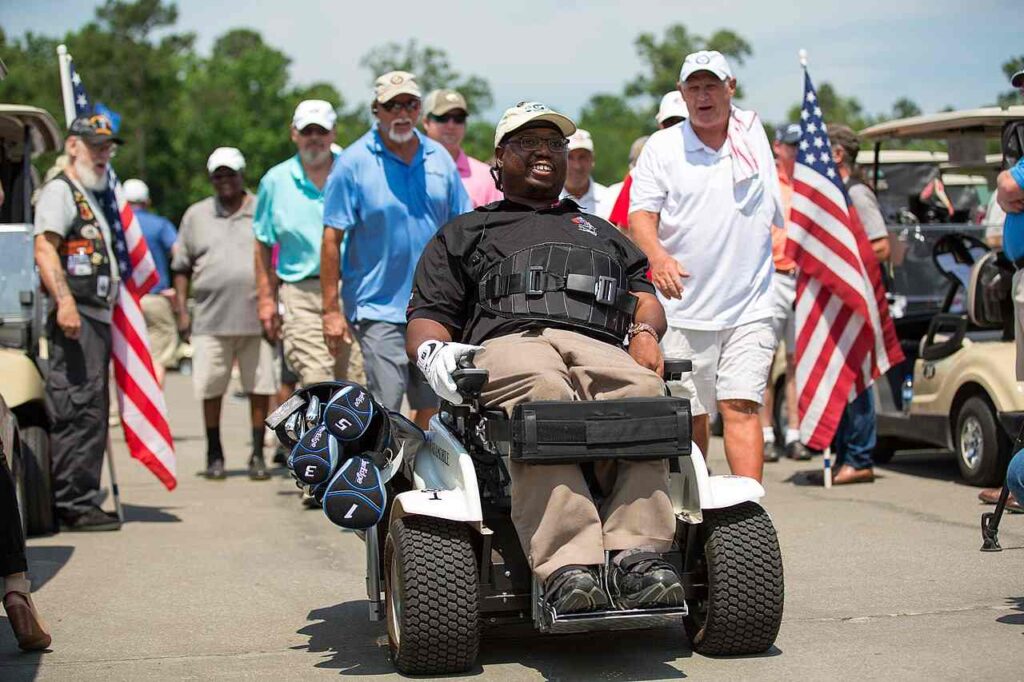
[(66, 89)]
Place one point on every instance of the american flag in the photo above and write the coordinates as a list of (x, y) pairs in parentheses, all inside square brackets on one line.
[(845, 338), (139, 396)]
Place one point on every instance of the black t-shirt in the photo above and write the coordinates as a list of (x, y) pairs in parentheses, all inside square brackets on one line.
[(455, 260)]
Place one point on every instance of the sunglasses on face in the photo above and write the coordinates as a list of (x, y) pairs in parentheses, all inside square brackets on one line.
[(410, 106), (449, 118), (531, 143), (313, 130), (220, 177)]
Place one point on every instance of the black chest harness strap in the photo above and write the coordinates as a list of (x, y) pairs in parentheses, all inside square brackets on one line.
[(563, 283)]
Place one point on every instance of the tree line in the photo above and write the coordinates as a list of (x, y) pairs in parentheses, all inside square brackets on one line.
[(178, 105)]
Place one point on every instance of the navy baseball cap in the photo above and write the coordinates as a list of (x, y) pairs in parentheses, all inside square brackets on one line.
[(94, 129), (788, 134)]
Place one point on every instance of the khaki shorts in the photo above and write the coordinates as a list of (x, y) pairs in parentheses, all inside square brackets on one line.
[(214, 356), (731, 364), (1018, 320), (303, 337), (158, 313)]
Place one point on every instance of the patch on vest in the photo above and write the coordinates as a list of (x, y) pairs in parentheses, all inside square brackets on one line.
[(584, 225)]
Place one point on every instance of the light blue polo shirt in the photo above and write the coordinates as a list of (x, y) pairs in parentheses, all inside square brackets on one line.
[(389, 210), (1013, 226), (290, 212)]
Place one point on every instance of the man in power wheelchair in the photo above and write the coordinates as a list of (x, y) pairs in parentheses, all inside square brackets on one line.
[(537, 327)]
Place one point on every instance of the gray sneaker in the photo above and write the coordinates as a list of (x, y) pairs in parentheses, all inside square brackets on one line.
[(771, 452), (798, 451), (575, 589), (644, 579)]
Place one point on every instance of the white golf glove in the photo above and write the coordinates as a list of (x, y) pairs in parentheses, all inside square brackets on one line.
[(437, 360)]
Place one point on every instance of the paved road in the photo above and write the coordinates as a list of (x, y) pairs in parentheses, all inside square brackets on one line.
[(233, 580)]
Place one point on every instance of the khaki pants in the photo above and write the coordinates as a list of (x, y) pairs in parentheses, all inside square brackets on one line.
[(554, 515), (304, 346), (158, 312)]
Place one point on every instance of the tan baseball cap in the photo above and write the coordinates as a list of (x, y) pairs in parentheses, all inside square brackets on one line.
[(518, 116), (395, 83), (440, 102)]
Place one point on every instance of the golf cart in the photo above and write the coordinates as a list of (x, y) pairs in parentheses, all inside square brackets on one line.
[(956, 389), (25, 132), (445, 562)]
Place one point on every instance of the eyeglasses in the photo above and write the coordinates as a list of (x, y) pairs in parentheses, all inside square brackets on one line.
[(531, 143), (313, 130), (410, 106), (450, 118)]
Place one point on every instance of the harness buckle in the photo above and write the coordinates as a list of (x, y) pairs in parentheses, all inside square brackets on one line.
[(605, 290), (533, 281)]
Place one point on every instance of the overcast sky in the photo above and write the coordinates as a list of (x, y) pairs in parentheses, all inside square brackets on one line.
[(936, 52)]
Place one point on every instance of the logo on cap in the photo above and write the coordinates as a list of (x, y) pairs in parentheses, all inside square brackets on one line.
[(452, 97), (702, 59), (396, 79)]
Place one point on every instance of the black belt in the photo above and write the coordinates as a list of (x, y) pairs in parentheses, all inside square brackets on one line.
[(536, 282)]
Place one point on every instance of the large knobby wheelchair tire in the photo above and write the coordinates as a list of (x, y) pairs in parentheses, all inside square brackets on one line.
[(740, 611), (37, 487), (431, 596)]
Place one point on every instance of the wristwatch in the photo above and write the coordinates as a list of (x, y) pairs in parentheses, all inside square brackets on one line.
[(640, 328)]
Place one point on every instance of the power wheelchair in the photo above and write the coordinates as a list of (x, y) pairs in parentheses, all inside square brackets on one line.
[(445, 562)]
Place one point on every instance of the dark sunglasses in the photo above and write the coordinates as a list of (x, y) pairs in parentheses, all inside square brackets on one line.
[(313, 130), (450, 118), (410, 106)]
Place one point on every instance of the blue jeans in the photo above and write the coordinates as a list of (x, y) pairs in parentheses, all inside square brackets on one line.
[(857, 433), (1015, 476)]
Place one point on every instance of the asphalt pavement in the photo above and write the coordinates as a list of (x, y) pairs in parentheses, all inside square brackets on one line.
[(233, 580)]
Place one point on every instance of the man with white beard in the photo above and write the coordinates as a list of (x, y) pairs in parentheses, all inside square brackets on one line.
[(74, 253), (387, 195)]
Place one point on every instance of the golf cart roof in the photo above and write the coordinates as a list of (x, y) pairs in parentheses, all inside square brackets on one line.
[(866, 157), (987, 121), (46, 135)]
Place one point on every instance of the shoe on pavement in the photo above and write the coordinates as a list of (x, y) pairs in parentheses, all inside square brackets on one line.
[(798, 451), (215, 470), (991, 496), (258, 468), (575, 589), (29, 628), (639, 579), (94, 519), (847, 474), (771, 452)]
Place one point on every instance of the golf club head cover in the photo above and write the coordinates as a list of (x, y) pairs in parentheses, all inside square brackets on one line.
[(349, 412), (313, 459), (355, 498)]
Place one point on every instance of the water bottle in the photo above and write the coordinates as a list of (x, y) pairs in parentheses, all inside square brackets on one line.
[(907, 392)]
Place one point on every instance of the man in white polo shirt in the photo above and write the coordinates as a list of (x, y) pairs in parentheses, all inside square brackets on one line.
[(579, 186), (704, 197)]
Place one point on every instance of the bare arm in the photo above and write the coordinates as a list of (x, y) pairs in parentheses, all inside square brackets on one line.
[(666, 272), (335, 325), (420, 330), (52, 275), (266, 292), (644, 347), (181, 303), (1009, 194), (881, 248)]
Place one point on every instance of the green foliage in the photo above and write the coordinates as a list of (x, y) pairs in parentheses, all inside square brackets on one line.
[(1011, 97), (664, 59), (613, 126)]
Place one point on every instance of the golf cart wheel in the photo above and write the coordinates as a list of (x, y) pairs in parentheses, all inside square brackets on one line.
[(431, 593), (982, 449), (36, 486), (737, 609)]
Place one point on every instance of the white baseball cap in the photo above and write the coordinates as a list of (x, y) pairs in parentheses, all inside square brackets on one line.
[(225, 157), (314, 112), (135, 191), (516, 117), (705, 60), (395, 83), (581, 139), (672, 106)]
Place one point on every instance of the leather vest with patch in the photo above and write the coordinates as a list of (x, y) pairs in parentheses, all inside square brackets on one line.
[(84, 254), (571, 285)]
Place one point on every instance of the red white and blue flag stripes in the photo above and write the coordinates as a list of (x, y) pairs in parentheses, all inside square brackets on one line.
[(845, 338), (139, 396)]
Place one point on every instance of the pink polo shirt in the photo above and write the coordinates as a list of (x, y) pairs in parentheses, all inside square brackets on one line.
[(476, 178)]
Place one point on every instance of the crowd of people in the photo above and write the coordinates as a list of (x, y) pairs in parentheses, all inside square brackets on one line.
[(386, 262)]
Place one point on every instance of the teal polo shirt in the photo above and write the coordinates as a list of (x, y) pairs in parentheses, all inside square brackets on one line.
[(388, 210), (290, 212)]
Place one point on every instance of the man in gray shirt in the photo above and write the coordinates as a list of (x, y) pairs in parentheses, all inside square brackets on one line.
[(74, 254), (215, 243)]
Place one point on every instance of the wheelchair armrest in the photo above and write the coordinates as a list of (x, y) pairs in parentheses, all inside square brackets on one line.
[(470, 381), (675, 368)]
